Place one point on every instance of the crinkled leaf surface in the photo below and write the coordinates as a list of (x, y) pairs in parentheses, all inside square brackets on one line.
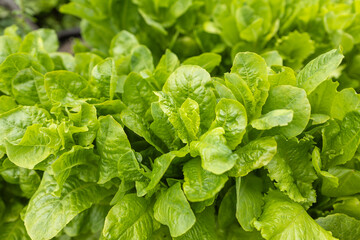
[(216, 156), (112, 144), (131, 218), (193, 82), (200, 184), (279, 117), (341, 141), (284, 219), (46, 215), (231, 116), (249, 200), (291, 98), (13, 123), (64, 87), (252, 69), (292, 170), (172, 209), (341, 225), (318, 70), (254, 155)]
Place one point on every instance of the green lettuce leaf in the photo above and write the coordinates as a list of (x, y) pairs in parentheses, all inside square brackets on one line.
[(130, 218), (284, 219), (172, 209), (216, 156), (200, 184), (46, 215), (254, 155), (341, 226), (292, 170)]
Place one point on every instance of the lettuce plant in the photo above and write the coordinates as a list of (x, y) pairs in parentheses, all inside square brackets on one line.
[(292, 32), (106, 144)]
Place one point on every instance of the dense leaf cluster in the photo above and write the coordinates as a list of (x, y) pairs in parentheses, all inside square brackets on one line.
[(133, 139)]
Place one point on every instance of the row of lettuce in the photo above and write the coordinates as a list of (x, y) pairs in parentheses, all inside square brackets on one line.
[(118, 148), (289, 31)]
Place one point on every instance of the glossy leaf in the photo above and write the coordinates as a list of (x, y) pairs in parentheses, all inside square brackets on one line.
[(173, 210), (216, 156), (200, 184), (284, 219), (254, 155), (231, 116)]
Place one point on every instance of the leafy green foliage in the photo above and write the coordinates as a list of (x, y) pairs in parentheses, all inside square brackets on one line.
[(184, 120)]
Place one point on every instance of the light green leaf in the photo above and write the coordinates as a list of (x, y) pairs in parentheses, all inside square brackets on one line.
[(216, 156), (12, 65), (231, 116), (112, 144), (341, 141), (204, 228), (295, 48), (41, 39), (275, 118), (284, 219), (322, 98), (208, 61), (84, 115), (242, 92), (37, 144), (190, 116), (161, 164), (122, 44), (292, 169), (129, 167), (162, 127), (167, 64), (46, 215), (138, 94), (138, 125), (345, 101), (328, 177), (249, 200), (290, 98), (64, 87), (129, 219), (85, 63), (6, 103), (103, 79), (281, 75), (254, 155), (253, 70), (341, 225), (8, 46), (200, 184), (172, 209), (63, 61), (14, 231), (272, 58), (349, 206), (222, 90), (141, 59), (24, 87), (63, 166), (319, 118), (13, 123), (346, 179), (318, 70), (193, 82), (168, 107)]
